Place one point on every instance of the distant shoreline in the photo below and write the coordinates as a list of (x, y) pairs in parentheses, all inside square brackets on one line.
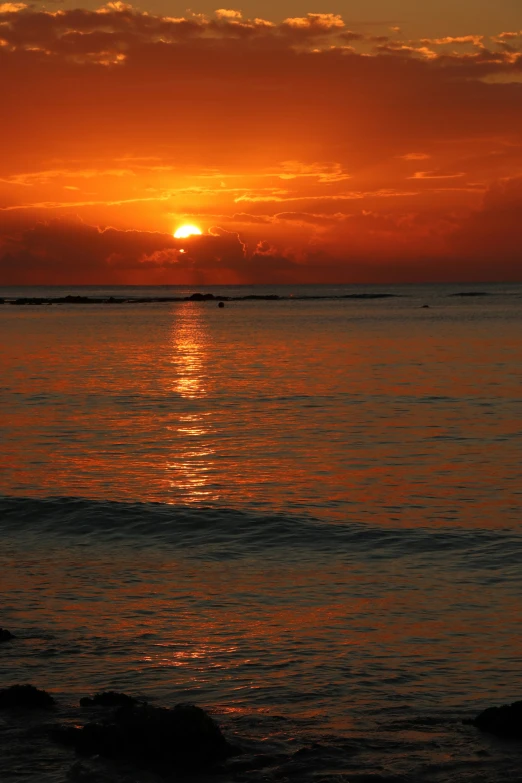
[(199, 297)]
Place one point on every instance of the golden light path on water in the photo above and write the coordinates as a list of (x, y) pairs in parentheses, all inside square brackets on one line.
[(335, 409), (190, 469)]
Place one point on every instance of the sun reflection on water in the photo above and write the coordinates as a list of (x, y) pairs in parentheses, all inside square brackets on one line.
[(190, 468), (189, 352), (209, 656)]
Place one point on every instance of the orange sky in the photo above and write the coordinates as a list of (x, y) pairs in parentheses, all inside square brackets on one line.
[(307, 149)]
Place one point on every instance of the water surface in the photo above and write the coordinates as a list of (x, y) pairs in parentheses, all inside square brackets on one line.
[(301, 514)]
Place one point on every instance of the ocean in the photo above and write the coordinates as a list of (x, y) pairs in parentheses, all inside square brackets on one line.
[(300, 513)]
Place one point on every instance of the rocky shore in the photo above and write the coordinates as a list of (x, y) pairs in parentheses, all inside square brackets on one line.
[(112, 737)]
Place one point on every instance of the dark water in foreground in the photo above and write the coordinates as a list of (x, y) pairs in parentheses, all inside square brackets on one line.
[(303, 516)]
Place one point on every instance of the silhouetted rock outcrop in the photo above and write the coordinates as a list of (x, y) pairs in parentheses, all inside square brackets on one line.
[(368, 296), (504, 721), (5, 635), (470, 293), (26, 696), (108, 699), (183, 739), (70, 299), (201, 297)]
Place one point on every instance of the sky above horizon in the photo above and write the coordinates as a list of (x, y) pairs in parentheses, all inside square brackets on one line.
[(358, 142)]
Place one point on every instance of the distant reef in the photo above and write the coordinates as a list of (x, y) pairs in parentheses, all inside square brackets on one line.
[(197, 297), (471, 293)]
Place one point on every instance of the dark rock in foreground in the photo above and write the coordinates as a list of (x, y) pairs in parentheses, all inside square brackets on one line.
[(26, 696), (504, 721), (5, 635), (108, 699), (184, 738)]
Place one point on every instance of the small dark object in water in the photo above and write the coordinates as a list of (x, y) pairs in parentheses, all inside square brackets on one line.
[(108, 699), (5, 635), (184, 738), (504, 721), (221, 304), (26, 696), (425, 307)]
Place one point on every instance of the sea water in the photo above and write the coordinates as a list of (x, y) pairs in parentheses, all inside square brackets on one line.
[(301, 514)]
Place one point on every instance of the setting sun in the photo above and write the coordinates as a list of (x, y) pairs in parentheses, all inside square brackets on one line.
[(186, 231)]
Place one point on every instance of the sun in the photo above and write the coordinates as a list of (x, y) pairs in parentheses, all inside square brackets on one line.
[(186, 231)]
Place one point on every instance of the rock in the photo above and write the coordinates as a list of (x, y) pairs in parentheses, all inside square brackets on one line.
[(26, 696), (470, 293), (221, 304), (183, 739), (5, 635), (504, 721), (109, 699), (201, 297), (264, 297), (81, 773)]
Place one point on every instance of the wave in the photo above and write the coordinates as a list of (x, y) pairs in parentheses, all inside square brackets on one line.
[(224, 533)]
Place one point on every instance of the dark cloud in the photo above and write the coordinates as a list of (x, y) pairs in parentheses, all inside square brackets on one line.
[(494, 232), (72, 252)]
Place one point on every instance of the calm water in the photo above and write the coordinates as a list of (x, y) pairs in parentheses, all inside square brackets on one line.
[(303, 515)]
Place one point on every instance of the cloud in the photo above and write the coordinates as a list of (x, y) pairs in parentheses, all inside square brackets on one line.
[(323, 172), (12, 8), (227, 13), (109, 32), (28, 179), (313, 24), (437, 175), (66, 205), (474, 40), (352, 195), (415, 156)]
